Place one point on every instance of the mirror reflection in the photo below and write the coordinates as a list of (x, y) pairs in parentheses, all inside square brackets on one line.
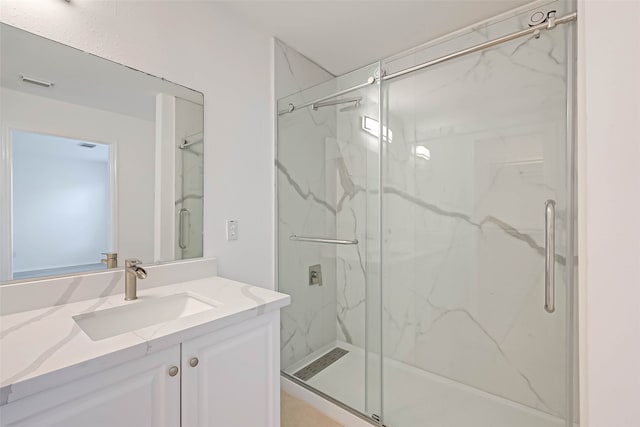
[(100, 162)]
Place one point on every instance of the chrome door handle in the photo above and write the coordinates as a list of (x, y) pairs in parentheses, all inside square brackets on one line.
[(550, 256), (183, 240)]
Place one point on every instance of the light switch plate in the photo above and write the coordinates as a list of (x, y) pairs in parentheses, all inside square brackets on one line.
[(232, 230)]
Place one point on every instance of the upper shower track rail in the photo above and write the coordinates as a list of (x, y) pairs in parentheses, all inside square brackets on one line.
[(533, 30)]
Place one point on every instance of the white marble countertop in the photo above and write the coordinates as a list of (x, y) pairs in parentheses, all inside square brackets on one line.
[(43, 348)]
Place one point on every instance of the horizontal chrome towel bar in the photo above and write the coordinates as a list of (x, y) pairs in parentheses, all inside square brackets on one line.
[(291, 108), (323, 240), (357, 100)]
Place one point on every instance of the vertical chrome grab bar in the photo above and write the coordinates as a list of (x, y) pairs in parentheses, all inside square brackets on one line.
[(550, 256), (183, 241)]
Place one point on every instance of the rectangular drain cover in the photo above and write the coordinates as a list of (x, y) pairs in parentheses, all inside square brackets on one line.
[(319, 364)]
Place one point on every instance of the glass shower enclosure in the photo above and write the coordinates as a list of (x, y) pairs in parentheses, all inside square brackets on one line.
[(426, 231)]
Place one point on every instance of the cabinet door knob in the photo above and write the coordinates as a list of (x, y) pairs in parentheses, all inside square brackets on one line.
[(173, 371), (193, 362)]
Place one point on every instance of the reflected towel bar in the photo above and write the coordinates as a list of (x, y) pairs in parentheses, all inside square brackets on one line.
[(323, 240)]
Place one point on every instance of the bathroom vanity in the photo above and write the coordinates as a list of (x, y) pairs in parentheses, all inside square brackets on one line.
[(194, 353), (103, 159)]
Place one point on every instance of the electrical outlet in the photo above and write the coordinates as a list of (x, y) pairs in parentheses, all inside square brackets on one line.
[(232, 230)]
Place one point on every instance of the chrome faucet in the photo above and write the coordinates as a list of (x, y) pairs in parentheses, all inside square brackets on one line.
[(132, 272), (110, 259)]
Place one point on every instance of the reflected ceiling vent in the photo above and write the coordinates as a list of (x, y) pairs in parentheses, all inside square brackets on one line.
[(38, 82), (86, 145)]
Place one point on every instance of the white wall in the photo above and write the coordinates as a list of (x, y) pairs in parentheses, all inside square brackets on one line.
[(61, 202), (609, 208), (203, 46)]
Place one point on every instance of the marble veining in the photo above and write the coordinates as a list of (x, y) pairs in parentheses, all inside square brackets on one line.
[(51, 292), (306, 206), (45, 347)]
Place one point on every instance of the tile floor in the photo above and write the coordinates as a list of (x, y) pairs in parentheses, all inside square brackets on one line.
[(296, 413)]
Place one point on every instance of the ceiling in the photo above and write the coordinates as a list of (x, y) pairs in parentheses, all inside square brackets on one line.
[(79, 77), (345, 35)]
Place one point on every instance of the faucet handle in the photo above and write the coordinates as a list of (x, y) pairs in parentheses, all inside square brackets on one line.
[(110, 259), (132, 262)]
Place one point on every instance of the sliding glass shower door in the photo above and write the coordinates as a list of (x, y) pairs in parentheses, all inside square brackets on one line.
[(328, 246), (480, 166), (426, 231)]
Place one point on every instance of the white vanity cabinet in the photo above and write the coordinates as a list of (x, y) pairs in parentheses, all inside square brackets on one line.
[(230, 378), (226, 378), (138, 393)]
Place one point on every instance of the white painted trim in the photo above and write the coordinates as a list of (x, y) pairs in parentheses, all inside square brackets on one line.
[(6, 235), (581, 232), (165, 179), (331, 410), (113, 196)]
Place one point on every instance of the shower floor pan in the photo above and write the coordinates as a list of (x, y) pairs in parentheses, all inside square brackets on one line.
[(415, 398)]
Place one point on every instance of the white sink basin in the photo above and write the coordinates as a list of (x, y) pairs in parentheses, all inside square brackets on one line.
[(140, 314)]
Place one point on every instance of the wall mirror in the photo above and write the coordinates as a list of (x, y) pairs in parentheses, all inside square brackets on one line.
[(96, 159)]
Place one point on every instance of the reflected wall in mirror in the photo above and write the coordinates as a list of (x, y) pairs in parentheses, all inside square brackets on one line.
[(97, 158)]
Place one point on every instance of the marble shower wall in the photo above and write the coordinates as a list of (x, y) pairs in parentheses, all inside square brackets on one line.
[(356, 158), (306, 206), (480, 145)]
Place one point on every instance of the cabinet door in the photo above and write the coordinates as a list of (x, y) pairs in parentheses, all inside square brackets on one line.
[(135, 394), (236, 380)]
